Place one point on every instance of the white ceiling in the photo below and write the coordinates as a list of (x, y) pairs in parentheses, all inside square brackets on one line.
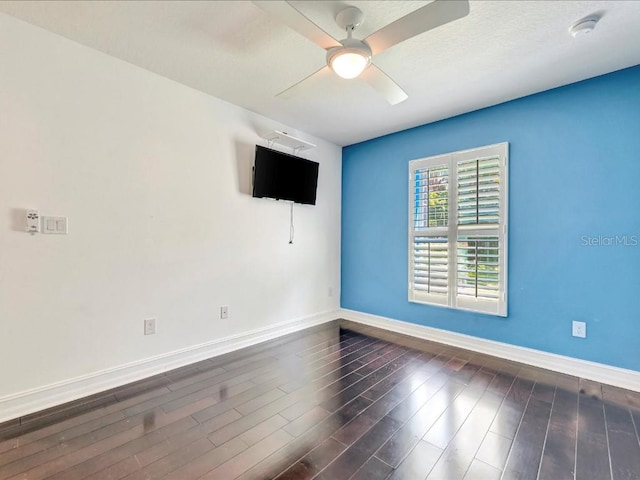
[(233, 50)]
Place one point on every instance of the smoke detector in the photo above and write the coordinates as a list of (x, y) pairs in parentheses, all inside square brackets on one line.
[(582, 27)]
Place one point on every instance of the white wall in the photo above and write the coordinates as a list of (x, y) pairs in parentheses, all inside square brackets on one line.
[(154, 178)]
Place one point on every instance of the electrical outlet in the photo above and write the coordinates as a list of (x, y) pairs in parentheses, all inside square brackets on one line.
[(224, 312), (330, 292), (150, 326), (579, 329)]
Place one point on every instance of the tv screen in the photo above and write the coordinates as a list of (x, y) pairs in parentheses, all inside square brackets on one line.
[(284, 177)]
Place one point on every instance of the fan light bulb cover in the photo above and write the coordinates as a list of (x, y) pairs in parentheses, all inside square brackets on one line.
[(349, 64), (351, 59)]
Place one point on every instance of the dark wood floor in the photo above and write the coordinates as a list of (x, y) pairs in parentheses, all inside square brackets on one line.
[(334, 404)]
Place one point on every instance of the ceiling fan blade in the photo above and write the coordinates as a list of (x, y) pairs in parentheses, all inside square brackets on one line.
[(425, 18), (294, 89), (384, 85), (289, 15)]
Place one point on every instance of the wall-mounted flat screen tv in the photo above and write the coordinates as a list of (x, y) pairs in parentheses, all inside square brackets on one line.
[(284, 177)]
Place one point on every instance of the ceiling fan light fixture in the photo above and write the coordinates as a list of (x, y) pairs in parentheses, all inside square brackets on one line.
[(349, 64), (351, 59)]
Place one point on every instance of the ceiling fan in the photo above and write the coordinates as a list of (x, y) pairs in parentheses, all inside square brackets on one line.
[(351, 57)]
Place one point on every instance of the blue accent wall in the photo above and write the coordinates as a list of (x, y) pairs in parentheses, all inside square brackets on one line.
[(574, 183)]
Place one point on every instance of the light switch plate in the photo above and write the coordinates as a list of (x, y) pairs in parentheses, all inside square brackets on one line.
[(55, 225)]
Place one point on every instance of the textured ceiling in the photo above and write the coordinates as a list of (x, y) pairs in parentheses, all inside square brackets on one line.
[(233, 50)]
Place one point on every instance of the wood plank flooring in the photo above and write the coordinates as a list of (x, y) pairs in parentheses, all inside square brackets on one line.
[(340, 401)]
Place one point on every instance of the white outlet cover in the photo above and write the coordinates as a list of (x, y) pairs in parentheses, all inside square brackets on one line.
[(579, 329), (150, 326)]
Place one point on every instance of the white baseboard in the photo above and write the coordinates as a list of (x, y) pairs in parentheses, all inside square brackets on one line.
[(27, 402), (619, 377), (23, 403)]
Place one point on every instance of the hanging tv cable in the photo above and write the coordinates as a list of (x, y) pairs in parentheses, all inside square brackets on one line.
[(291, 229)]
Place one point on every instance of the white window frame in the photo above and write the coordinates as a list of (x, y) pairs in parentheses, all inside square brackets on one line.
[(453, 231)]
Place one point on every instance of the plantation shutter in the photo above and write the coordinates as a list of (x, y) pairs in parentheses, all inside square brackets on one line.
[(478, 263), (479, 191), (430, 265), (458, 230)]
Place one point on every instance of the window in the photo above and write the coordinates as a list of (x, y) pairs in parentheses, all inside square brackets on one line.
[(458, 230)]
